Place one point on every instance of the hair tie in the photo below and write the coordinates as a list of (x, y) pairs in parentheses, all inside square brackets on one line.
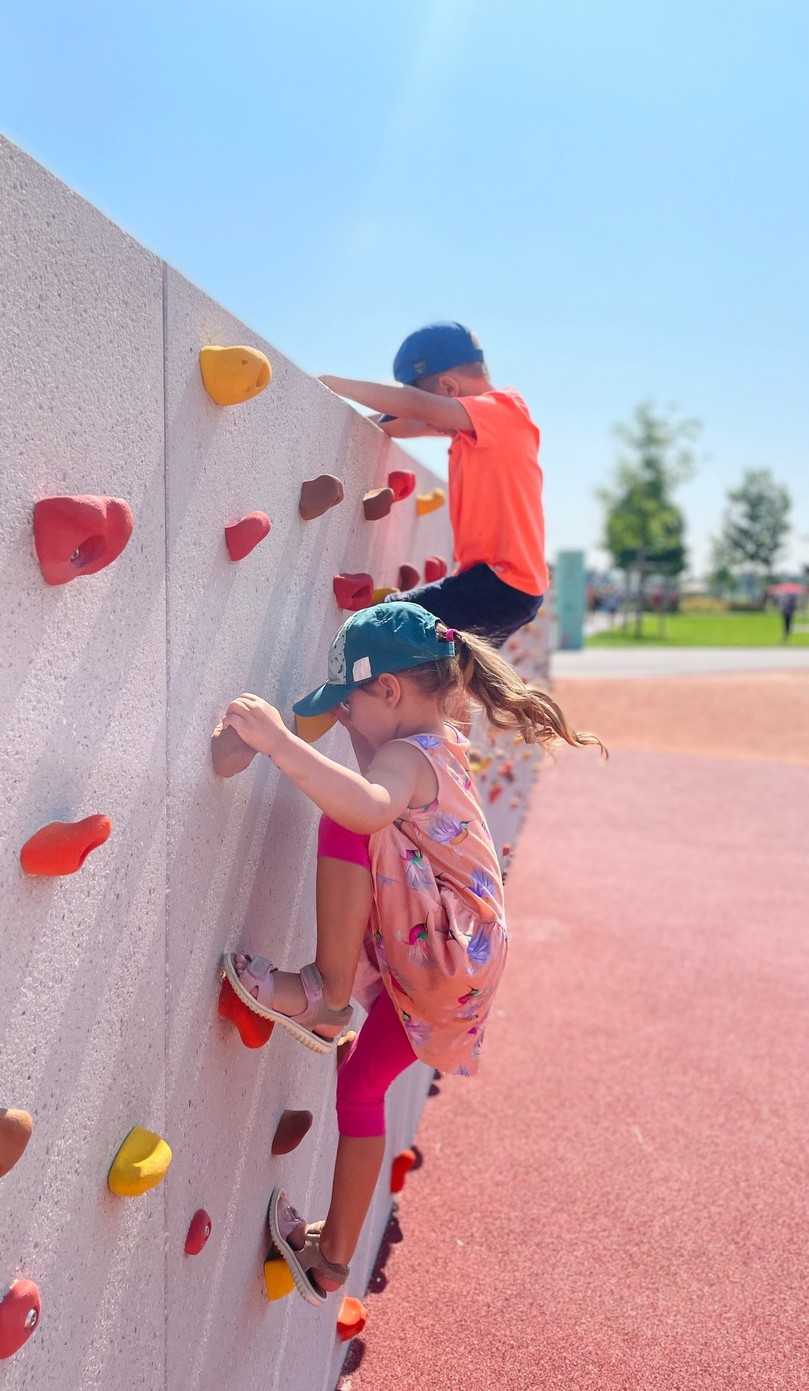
[(449, 635)]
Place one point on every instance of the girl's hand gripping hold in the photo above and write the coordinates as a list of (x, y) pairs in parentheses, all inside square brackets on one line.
[(258, 723)]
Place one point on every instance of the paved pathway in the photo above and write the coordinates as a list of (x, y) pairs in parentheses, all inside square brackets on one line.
[(677, 661), (619, 1202)]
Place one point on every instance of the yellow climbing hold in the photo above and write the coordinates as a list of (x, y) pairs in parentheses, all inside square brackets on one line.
[(233, 375), (278, 1280), (380, 595), (310, 728), (478, 762), (140, 1164), (430, 502)]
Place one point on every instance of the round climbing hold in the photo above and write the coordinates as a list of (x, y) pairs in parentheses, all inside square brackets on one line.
[(435, 568), (15, 1132), (242, 537), (198, 1232), (402, 483), (310, 728), (290, 1130), (351, 1319), (430, 502), (409, 577), (233, 375), (253, 1030), (400, 1168), (20, 1310), (62, 846), (141, 1163), (377, 503), (229, 753), (353, 592), (380, 595), (79, 535), (318, 495), (278, 1281)]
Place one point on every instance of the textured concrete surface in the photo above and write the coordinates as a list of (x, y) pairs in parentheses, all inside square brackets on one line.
[(111, 686), (619, 1201)]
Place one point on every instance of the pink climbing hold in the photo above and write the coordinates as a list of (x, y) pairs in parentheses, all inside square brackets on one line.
[(402, 483), (20, 1309), (80, 535), (354, 592), (435, 568), (242, 537), (198, 1232)]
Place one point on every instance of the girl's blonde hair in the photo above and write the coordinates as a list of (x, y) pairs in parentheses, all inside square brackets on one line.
[(508, 701)]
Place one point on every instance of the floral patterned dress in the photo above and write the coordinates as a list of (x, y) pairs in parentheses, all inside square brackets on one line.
[(437, 937)]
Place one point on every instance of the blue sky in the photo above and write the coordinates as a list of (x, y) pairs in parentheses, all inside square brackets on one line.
[(615, 198)]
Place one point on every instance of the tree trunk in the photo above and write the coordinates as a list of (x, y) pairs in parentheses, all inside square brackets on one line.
[(639, 600)]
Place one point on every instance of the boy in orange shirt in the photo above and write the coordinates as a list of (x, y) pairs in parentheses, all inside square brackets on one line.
[(495, 481)]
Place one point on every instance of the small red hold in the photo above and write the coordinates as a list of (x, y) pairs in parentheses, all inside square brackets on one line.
[(402, 482), (62, 846), (20, 1309), (506, 851), (408, 577), (290, 1130), (198, 1232), (351, 1319), (495, 791), (354, 592), (77, 536), (400, 1168), (507, 770), (242, 537), (253, 1029), (435, 568)]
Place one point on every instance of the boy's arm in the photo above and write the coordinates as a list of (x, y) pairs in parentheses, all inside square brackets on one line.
[(406, 429), (444, 413)]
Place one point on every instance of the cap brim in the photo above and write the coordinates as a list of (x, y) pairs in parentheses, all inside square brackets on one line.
[(327, 697)]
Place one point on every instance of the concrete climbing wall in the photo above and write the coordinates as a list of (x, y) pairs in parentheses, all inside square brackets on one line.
[(110, 687)]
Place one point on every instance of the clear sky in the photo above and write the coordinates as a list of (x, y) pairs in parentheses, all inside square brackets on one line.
[(614, 196)]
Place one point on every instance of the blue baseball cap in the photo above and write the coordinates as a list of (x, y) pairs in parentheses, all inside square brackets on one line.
[(385, 638), (435, 348)]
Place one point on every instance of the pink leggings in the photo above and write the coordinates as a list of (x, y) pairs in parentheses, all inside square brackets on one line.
[(381, 1049)]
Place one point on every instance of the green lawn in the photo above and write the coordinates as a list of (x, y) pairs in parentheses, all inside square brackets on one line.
[(707, 630)]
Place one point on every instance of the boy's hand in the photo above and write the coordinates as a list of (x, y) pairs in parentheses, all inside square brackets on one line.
[(257, 722)]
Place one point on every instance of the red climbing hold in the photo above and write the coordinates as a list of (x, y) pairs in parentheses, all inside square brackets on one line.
[(495, 791), (290, 1130), (435, 568), (77, 536), (507, 770), (402, 483), (242, 537), (408, 577), (254, 1030), (400, 1168), (198, 1232), (63, 846), (20, 1309), (506, 851), (351, 1319), (353, 592)]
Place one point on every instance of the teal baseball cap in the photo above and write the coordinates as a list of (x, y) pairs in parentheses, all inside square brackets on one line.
[(384, 638)]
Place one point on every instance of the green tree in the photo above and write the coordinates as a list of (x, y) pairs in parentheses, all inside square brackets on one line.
[(755, 526), (644, 529)]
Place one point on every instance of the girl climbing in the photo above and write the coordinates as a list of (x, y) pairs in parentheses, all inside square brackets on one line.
[(410, 915)]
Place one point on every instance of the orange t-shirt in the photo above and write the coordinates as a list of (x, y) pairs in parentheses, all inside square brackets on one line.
[(495, 492)]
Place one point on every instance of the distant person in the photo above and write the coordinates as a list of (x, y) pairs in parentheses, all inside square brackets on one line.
[(495, 481), (789, 603)]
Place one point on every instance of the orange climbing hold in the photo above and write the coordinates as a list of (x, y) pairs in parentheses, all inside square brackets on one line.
[(20, 1309), (198, 1232), (435, 568), (77, 536), (242, 537), (402, 483), (63, 846), (430, 502), (310, 728), (233, 375), (351, 1319), (408, 577), (290, 1130), (278, 1281), (380, 595), (400, 1168), (15, 1132), (353, 592), (253, 1030)]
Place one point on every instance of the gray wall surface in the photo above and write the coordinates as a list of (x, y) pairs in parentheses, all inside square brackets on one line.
[(111, 686)]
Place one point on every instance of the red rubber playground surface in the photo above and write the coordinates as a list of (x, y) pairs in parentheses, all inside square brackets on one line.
[(620, 1200)]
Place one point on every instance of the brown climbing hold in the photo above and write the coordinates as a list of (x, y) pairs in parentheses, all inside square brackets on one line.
[(351, 1319), (198, 1232), (254, 1031), (229, 753), (409, 577), (62, 846), (318, 495), (377, 503), (353, 592), (402, 483), (77, 536), (242, 537), (400, 1168), (435, 568), (290, 1130), (15, 1132), (430, 502), (495, 791), (233, 375), (20, 1309)]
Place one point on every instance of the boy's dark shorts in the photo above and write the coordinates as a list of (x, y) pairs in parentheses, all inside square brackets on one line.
[(476, 601)]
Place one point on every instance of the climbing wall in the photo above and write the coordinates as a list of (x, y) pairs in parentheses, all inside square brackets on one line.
[(111, 684)]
